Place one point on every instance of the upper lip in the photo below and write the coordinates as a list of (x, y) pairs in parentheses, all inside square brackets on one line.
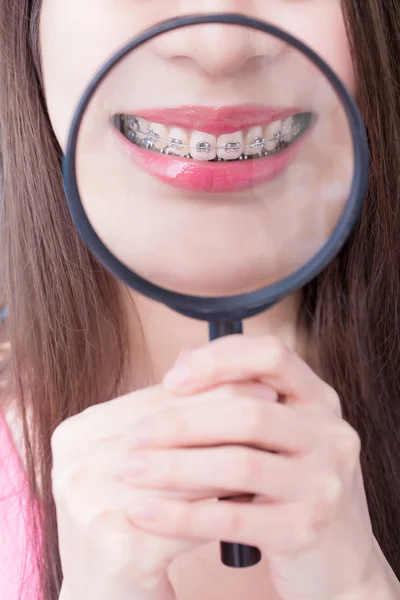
[(216, 120)]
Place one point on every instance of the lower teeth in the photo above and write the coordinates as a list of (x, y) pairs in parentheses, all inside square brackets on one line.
[(147, 140)]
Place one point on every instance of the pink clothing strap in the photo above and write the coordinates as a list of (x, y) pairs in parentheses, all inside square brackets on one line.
[(18, 573)]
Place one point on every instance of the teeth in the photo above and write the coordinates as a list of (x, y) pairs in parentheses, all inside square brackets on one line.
[(131, 124), (290, 129), (250, 143), (230, 147), (254, 141), (144, 127), (131, 128), (271, 132), (178, 140), (159, 135), (203, 146)]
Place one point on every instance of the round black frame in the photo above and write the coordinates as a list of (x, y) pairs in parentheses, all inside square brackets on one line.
[(233, 308)]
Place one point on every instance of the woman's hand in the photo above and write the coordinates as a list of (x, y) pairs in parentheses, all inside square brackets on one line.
[(104, 555), (297, 456)]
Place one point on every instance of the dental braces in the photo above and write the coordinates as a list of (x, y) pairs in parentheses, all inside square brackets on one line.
[(175, 144)]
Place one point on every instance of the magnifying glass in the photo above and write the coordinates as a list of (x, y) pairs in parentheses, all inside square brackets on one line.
[(216, 164)]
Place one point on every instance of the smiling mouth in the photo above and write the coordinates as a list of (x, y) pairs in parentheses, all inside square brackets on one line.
[(251, 143)]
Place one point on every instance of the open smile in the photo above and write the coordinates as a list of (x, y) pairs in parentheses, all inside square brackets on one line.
[(201, 149)]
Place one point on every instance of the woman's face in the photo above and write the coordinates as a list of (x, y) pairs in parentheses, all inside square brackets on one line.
[(214, 159)]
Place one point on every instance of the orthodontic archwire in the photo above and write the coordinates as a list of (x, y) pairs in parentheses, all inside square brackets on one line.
[(151, 138)]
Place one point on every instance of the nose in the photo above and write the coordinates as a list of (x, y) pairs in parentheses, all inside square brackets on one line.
[(217, 49)]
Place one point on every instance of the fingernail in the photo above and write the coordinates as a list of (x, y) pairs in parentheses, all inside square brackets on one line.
[(143, 511)]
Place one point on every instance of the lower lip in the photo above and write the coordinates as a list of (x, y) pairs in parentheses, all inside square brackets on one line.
[(211, 177)]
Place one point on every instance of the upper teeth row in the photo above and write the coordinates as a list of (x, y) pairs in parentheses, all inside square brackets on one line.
[(205, 146)]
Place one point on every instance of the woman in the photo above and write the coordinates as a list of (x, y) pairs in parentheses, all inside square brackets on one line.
[(122, 507)]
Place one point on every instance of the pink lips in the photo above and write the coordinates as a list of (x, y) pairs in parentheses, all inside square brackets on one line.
[(213, 177)]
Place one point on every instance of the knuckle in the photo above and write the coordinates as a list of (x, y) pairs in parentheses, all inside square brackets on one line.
[(307, 524), (248, 464), (345, 441), (234, 522), (307, 532), (299, 531), (328, 491), (278, 353), (103, 519), (67, 483), (152, 559), (332, 399), (252, 419), (349, 454)]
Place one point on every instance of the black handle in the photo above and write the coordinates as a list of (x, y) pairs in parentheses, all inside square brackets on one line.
[(239, 556), (234, 555)]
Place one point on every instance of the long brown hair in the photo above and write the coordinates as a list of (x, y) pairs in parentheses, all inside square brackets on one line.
[(65, 313)]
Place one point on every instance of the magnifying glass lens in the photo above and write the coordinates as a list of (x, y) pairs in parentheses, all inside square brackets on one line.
[(219, 173)]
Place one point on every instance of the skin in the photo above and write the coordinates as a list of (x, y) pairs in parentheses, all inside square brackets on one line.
[(155, 481)]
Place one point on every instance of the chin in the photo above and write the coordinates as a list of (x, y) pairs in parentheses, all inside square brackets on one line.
[(228, 282)]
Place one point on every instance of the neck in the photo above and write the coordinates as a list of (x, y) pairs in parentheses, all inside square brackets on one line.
[(166, 333)]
